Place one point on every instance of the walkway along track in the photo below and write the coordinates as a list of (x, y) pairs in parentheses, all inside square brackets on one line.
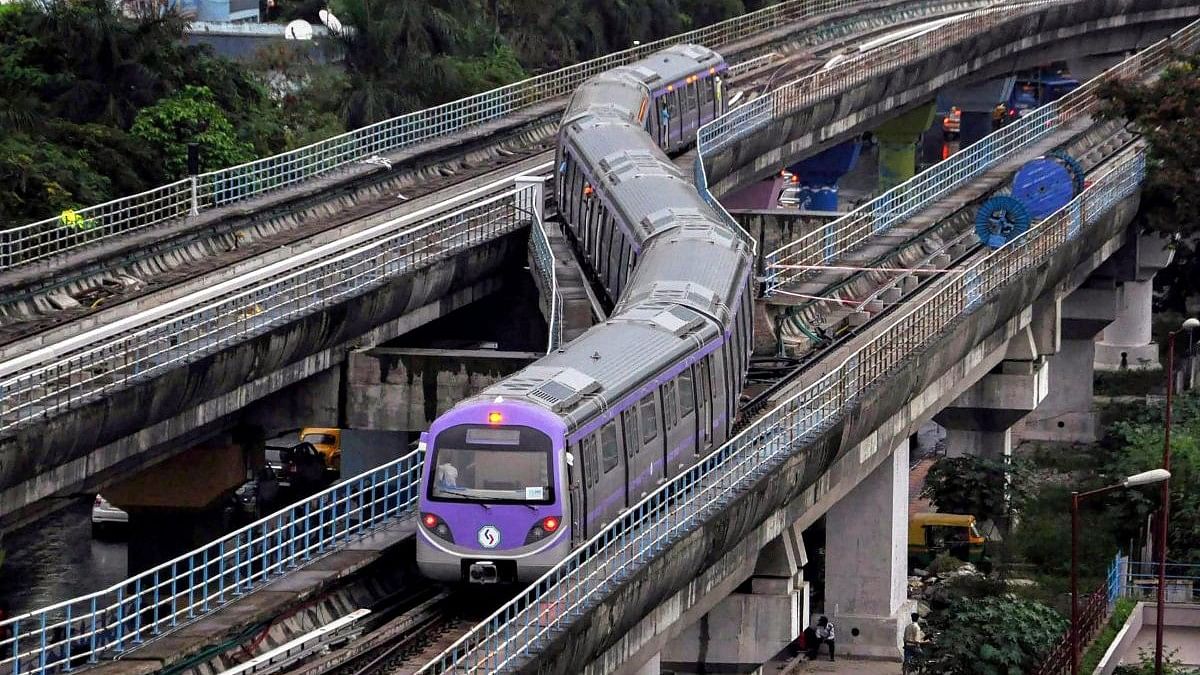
[(837, 304)]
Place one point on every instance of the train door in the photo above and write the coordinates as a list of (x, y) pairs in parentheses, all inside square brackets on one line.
[(578, 499), (610, 494), (653, 438), (671, 429), (689, 419), (704, 407)]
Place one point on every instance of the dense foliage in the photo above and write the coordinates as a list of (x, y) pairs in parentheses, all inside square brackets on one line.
[(993, 636), (1166, 112), (76, 77), (1136, 445), (95, 105)]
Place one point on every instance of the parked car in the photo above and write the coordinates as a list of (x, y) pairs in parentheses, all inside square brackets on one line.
[(105, 516)]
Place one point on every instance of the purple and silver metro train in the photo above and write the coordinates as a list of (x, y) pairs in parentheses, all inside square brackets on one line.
[(541, 461)]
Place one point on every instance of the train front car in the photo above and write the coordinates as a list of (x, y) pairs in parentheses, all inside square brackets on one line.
[(493, 494)]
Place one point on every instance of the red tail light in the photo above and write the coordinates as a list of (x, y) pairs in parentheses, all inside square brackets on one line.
[(430, 520), (550, 523)]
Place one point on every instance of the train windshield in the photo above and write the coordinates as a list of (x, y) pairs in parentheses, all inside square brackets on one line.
[(492, 464)]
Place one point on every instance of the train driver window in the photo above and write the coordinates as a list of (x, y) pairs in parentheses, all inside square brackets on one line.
[(609, 446), (687, 401), (649, 419)]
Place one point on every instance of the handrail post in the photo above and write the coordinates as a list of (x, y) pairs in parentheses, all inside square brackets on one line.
[(195, 209)]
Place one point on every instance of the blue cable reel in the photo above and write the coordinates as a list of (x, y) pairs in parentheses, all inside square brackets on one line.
[(1045, 185), (1001, 219), (1077, 172)]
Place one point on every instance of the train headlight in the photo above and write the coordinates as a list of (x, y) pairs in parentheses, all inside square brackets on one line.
[(437, 526), (543, 528)]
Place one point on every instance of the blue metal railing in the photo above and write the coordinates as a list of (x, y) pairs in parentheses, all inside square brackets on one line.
[(110, 622)]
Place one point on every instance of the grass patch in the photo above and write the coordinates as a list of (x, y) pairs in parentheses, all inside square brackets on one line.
[(1121, 612)]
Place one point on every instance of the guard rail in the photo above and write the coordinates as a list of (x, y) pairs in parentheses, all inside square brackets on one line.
[(92, 364), (108, 623)]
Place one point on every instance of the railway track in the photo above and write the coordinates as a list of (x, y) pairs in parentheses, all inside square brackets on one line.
[(407, 637), (872, 282)]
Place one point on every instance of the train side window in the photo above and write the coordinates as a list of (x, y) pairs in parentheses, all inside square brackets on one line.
[(609, 446), (687, 401), (629, 420), (649, 419), (670, 413)]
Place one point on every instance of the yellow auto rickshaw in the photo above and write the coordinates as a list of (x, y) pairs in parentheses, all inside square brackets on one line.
[(934, 534)]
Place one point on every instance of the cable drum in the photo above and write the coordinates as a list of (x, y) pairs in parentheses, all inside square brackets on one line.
[(1047, 184), (1001, 219)]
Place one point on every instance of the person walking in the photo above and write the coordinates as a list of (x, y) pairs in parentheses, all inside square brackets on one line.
[(914, 639), (826, 634)]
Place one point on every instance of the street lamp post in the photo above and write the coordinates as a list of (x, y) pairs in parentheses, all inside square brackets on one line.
[(1144, 478), (1164, 515)]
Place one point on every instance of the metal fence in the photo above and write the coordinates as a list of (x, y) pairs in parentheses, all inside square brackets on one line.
[(1182, 581), (816, 249), (543, 263), (519, 629), (1097, 607), (107, 623), (56, 235), (116, 355)]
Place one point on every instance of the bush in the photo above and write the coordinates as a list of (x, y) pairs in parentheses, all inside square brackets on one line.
[(1121, 612), (993, 636)]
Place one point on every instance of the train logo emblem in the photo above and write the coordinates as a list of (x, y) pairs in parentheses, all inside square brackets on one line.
[(489, 536)]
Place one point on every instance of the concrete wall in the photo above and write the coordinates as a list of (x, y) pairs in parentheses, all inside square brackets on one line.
[(405, 389), (636, 618), (62, 454), (1087, 26)]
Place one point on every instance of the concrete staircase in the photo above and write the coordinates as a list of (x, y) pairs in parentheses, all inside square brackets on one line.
[(572, 285)]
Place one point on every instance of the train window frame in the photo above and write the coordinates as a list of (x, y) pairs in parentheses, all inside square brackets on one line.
[(670, 411), (646, 409), (590, 465), (687, 392), (610, 448), (629, 425)]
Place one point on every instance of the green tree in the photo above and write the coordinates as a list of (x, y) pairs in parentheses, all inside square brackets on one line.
[(1136, 445), (975, 486), (1166, 112), (190, 116), (993, 636)]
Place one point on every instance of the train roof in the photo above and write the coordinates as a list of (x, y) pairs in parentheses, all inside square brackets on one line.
[(636, 179), (608, 94), (696, 265), (595, 371), (672, 64)]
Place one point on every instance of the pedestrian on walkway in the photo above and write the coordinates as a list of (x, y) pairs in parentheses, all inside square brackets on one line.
[(825, 635)]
